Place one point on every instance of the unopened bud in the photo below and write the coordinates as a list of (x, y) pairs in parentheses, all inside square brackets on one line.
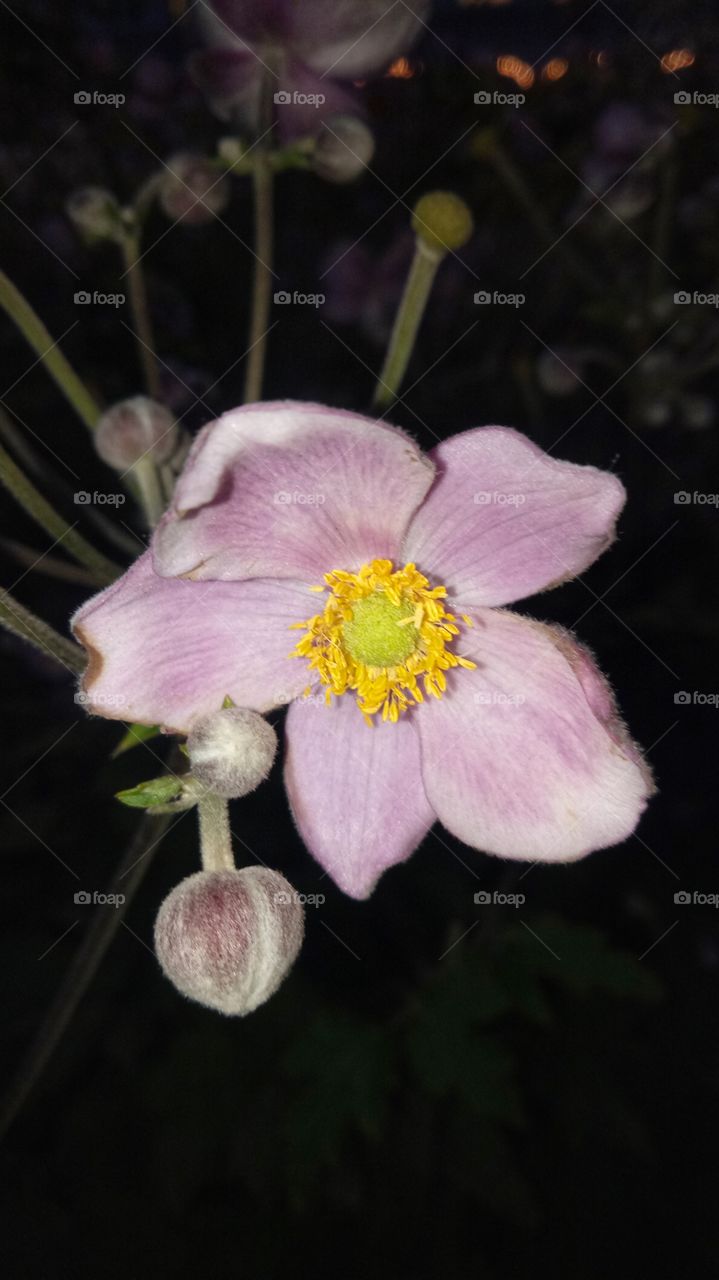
[(231, 751), (95, 213), (344, 148), (442, 221), (229, 938), (134, 428), (190, 189)]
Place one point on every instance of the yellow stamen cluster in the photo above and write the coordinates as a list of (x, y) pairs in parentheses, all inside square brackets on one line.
[(382, 632)]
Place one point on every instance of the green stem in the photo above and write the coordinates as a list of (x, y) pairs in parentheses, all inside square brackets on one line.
[(262, 281), (31, 558), (151, 491), (52, 522), (215, 834), (140, 310), (407, 321), (34, 331), (16, 618)]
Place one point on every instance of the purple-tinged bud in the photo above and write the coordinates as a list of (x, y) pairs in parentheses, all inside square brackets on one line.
[(344, 148), (190, 189), (95, 214), (231, 751), (132, 429), (228, 939)]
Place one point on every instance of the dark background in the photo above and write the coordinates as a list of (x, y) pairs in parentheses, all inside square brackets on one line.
[(541, 1097)]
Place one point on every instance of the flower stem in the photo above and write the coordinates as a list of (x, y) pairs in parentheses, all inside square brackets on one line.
[(150, 487), (34, 331), (215, 835), (408, 319), (24, 491), (21, 622), (262, 282), (140, 310)]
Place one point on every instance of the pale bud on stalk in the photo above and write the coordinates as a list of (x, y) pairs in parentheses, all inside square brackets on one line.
[(227, 939), (95, 214), (344, 148), (190, 190), (231, 751), (132, 429)]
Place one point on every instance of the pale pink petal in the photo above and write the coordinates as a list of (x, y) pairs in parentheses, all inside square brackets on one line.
[(347, 39), (504, 519), (290, 491), (526, 757), (164, 650), (356, 791)]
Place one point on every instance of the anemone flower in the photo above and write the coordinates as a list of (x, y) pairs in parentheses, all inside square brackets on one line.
[(302, 50), (315, 557)]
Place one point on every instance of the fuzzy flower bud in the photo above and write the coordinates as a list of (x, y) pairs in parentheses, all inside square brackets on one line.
[(344, 148), (442, 221), (229, 938), (133, 428), (191, 190), (231, 751), (95, 214)]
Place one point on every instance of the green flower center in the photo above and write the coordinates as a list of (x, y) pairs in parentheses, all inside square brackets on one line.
[(378, 633)]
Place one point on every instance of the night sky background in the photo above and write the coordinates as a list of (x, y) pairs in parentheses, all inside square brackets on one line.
[(439, 1088)]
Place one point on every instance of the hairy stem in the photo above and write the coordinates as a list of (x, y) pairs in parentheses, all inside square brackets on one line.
[(215, 835), (407, 321), (34, 331), (22, 622)]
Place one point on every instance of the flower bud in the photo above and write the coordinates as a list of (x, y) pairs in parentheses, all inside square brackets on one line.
[(95, 214), (132, 428), (227, 939), (344, 148), (442, 221), (190, 189), (231, 751)]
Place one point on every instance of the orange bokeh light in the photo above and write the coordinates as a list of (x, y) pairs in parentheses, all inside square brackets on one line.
[(676, 59), (555, 69), (401, 69), (515, 69)]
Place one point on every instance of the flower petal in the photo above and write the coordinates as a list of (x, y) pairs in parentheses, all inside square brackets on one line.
[(526, 757), (356, 791), (347, 39), (290, 491), (504, 520), (164, 650)]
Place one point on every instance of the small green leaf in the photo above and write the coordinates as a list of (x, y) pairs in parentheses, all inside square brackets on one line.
[(146, 794), (135, 733), (227, 702)]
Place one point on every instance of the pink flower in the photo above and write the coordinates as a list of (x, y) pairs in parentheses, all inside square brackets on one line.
[(498, 726), (304, 49)]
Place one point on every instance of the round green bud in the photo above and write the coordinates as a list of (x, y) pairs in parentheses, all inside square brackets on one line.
[(442, 221)]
